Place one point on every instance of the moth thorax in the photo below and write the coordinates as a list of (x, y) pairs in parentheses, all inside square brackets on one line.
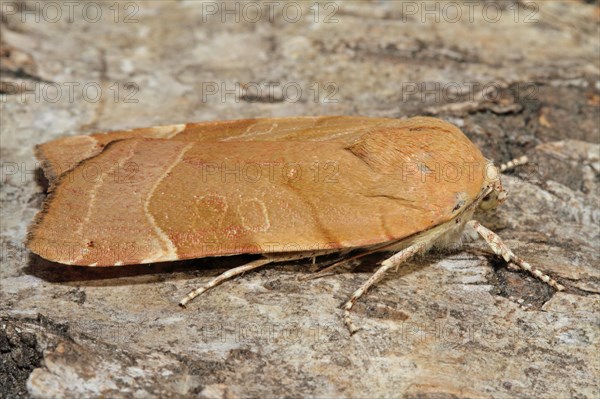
[(451, 233)]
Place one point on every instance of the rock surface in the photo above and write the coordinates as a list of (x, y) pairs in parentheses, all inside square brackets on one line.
[(454, 325)]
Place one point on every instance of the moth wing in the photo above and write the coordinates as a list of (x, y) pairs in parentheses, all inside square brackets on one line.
[(189, 200)]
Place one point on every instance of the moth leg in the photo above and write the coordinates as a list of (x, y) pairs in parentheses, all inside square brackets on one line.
[(344, 262), (501, 249), (514, 163), (386, 265), (225, 276), (327, 270)]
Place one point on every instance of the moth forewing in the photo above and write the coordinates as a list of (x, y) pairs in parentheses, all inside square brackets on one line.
[(198, 199)]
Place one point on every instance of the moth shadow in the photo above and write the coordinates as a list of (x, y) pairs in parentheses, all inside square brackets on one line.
[(130, 274), (205, 267), (41, 179)]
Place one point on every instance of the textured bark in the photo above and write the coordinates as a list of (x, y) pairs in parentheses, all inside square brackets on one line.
[(452, 325)]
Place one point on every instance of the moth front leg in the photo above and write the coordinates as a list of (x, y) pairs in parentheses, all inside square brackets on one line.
[(236, 271), (393, 261), (500, 248)]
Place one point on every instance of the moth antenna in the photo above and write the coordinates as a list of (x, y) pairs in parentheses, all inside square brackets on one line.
[(510, 165), (329, 269), (224, 277), (386, 265), (500, 248)]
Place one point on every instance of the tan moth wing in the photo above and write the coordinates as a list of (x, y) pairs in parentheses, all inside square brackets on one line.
[(195, 199)]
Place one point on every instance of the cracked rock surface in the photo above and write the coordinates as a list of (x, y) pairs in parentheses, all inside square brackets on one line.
[(446, 325)]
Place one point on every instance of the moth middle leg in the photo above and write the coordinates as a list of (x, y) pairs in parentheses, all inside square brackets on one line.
[(393, 261)]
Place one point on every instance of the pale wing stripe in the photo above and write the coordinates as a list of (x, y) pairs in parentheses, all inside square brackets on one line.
[(171, 249), (249, 133), (90, 151), (176, 129), (92, 199)]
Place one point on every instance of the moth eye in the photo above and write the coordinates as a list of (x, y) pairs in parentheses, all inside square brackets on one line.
[(486, 198)]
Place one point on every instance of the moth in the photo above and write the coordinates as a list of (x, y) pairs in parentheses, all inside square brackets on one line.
[(282, 188)]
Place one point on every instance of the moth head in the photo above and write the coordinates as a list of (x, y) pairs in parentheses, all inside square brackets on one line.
[(494, 193)]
